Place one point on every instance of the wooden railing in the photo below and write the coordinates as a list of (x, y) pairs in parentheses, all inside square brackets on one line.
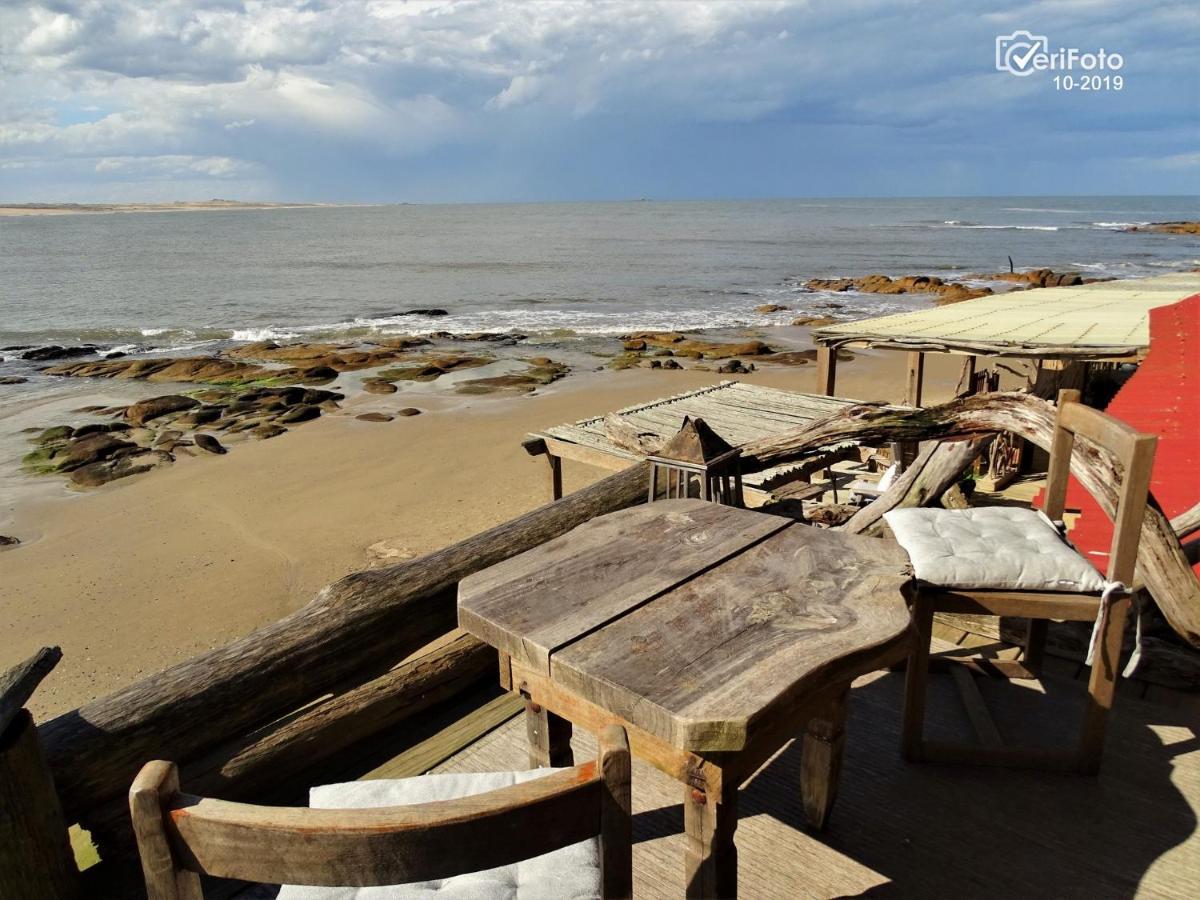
[(267, 710)]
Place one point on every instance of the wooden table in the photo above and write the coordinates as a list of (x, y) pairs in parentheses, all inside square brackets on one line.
[(714, 635)]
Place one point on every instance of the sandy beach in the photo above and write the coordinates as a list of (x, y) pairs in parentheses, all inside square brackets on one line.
[(148, 570)]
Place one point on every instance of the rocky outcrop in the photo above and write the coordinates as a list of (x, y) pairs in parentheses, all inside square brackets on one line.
[(45, 354), (144, 410), (1168, 227), (694, 348), (945, 291), (768, 308), (12, 379), (432, 367), (814, 321), (530, 380), (374, 417), (209, 443), (1039, 278)]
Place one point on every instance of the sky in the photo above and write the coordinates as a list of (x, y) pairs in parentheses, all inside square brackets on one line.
[(540, 100)]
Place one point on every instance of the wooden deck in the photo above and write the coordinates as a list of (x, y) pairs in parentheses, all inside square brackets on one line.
[(906, 830), (737, 412)]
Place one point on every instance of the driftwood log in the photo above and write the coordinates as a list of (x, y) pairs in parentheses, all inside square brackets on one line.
[(358, 627), (1163, 567)]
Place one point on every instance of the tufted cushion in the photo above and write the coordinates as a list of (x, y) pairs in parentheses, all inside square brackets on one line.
[(991, 547), (572, 873)]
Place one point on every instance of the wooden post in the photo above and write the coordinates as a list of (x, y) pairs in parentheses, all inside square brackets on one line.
[(821, 759), (916, 378), (826, 369), (972, 366), (36, 862), (555, 476), (710, 817)]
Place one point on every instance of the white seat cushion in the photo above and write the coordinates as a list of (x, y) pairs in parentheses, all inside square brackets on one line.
[(991, 547), (572, 873)]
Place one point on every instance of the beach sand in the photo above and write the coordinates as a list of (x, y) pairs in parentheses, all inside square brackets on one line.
[(147, 571)]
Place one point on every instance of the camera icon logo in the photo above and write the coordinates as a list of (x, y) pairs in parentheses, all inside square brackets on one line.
[(1016, 52)]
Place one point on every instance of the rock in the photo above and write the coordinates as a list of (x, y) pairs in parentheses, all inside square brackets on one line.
[(90, 449), (379, 387), (99, 473), (45, 354), (302, 413), (268, 430), (793, 357), (624, 361), (634, 345), (671, 364), (908, 284), (95, 428), (54, 435), (814, 321), (8, 540), (1168, 227), (767, 308), (695, 348), (408, 411), (145, 410), (423, 312), (733, 367), (402, 342), (653, 363), (201, 416), (374, 417), (209, 443), (12, 379)]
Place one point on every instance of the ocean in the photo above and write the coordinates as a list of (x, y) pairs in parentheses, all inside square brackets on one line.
[(191, 281)]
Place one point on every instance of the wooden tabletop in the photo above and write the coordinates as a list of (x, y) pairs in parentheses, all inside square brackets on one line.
[(694, 621)]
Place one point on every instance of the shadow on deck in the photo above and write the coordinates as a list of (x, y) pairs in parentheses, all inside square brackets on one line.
[(912, 830)]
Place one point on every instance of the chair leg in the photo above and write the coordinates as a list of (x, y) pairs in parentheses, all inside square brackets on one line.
[(1102, 684), (1035, 645), (916, 680)]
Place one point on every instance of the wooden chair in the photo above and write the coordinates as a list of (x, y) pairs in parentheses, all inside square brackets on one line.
[(180, 836), (1134, 453)]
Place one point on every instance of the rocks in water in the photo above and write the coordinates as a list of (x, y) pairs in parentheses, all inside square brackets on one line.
[(735, 367), (144, 410), (768, 308), (670, 364), (529, 380), (209, 443), (7, 540), (814, 321), (408, 411), (1168, 227), (46, 354), (1039, 278), (400, 342), (430, 368), (374, 417), (301, 413), (56, 433), (423, 312), (634, 345), (372, 386), (12, 379), (680, 345), (947, 291)]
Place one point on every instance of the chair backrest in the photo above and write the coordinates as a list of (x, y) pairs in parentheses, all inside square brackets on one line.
[(181, 836), (1132, 450)]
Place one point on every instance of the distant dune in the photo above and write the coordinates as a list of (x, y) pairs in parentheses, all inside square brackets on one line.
[(61, 209)]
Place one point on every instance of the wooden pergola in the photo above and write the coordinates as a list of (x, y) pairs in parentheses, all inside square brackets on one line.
[(1101, 322)]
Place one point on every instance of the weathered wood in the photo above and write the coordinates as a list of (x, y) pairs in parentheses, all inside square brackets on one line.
[(616, 813), (710, 818), (914, 385), (267, 759), (375, 846), (821, 760), (36, 862), (936, 469), (826, 370), (599, 571), (977, 711), (18, 683), (549, 737), (369, 619), (1161, 565)]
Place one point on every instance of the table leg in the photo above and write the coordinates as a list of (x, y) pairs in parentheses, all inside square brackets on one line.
[(821, 759), (549, 737), (709, 820)]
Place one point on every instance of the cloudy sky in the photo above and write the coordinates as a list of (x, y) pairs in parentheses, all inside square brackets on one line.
[(367, 100)]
